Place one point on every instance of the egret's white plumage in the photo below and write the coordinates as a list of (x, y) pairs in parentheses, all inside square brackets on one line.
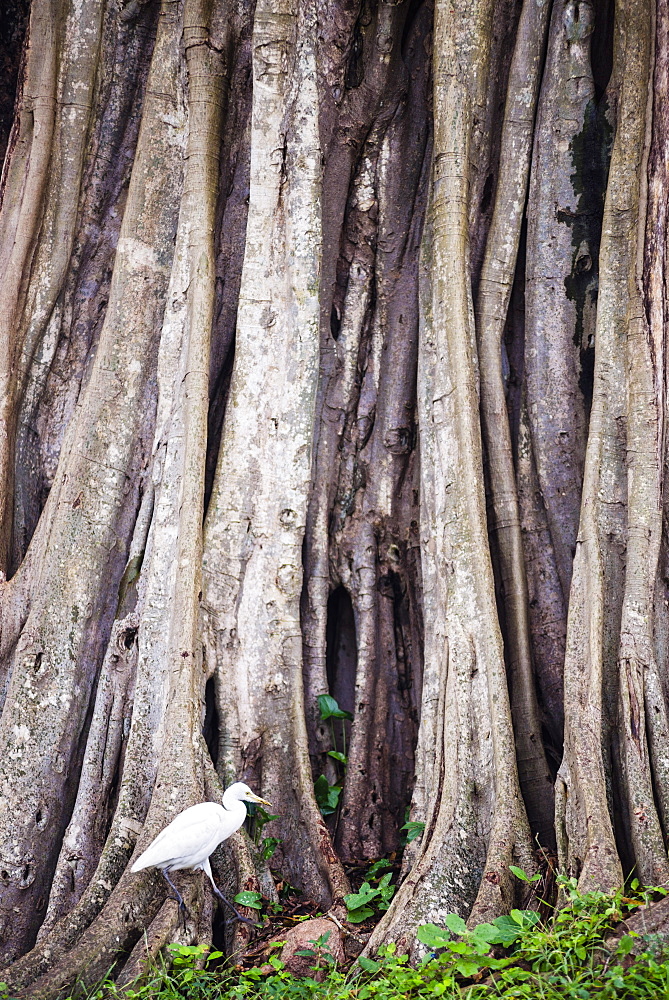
[(195, 833)]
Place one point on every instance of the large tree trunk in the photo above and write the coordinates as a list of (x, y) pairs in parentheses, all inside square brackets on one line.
[(332, 360)]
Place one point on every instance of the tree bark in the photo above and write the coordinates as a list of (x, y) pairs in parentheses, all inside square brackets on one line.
[(332, 361)]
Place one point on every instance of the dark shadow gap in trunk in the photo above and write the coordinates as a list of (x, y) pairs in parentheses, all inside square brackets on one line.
[(602, 45), (231, 216), (13, 23), (210, 726), (218, 399), (341, 657)]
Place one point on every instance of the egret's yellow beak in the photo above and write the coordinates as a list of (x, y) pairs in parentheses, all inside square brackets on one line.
[(252, 797)]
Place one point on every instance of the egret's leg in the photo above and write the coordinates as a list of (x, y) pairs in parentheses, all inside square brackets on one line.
[(206, 867), (177, 897)]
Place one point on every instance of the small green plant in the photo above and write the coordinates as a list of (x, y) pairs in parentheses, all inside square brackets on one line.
[(320, 952), (268, 846), (520, 874), (185, 972), (360, 905), (257, 821), (328, 795), (563, 957), (470, 949)]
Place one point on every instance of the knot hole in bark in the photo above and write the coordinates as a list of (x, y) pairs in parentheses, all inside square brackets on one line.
[(23, 873), (355, 67), (579, 20), (26, 876), (335, 321), (128, 637)]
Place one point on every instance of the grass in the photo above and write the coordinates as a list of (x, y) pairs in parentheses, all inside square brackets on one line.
[(515, 957)]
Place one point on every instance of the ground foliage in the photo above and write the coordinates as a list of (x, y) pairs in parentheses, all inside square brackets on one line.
[(563, 956)]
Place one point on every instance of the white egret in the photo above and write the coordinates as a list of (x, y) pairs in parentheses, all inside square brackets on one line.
[(194, 834)]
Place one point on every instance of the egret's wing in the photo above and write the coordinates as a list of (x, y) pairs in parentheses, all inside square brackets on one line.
[(192, 835)]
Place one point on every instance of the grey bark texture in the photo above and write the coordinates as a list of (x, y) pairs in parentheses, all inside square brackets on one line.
[(332, 361)]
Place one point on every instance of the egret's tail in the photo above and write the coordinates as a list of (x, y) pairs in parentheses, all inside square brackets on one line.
[(141, 862), (151, 857)]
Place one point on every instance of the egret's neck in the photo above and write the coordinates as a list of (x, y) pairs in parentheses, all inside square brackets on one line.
[(235, 806)]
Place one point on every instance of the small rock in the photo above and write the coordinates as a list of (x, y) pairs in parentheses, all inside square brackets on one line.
[(302, 937)]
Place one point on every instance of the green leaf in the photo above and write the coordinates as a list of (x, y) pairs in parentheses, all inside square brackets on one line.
[(581, 952), (414, 829), (358, 915), (342, 758), (186, 951), (321, 788), (459, 947), (626, 945), (467, 968), (523, 876), (455, 923), (525, 918), (362, 897), (368, 964), (329, 708), (250, 899), (260, 815), (377, 867), (433, 936), (386, 890), (508, 931), (485, 933)]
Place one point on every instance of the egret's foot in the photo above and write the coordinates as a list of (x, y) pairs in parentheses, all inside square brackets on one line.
[(245, 920), (184, 912)]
